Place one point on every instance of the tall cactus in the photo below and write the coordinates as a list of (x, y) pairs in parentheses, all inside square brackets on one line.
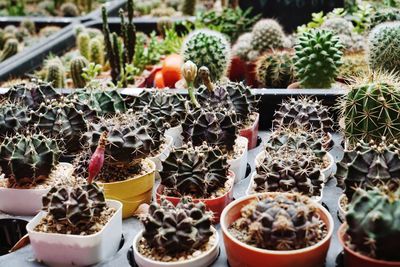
[(83, 40), (76, 70), (55, 73), (96, 51), (10, 49)]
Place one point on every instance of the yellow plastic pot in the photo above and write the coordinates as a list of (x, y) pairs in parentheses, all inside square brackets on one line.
[(133, 191)]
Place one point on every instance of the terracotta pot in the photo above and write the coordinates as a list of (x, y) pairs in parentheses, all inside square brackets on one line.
[(237, 69), (251, 133), (147, 80), (240, 254), (251, 79), (355, 259), (133, 191), (216, 205)]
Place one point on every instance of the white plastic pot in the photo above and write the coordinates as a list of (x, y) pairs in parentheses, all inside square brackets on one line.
[(76, 250), (176, 134), (205, 259), (239, 164), (159, 159), (24, 202), (328, 171)]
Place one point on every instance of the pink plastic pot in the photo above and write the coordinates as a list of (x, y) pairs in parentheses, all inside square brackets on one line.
[(251, 133), (216, 205)]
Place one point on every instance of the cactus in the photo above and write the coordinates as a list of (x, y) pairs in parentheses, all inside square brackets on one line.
[(105, 102), (9, 50), (267, 34), (13, 118), (49, 30), (305, 112), (27, 159), (188, 7), (83, 40), (210, 49), (338, 25), (69, 10), (171, 230), (242, 47), (77, 206), (382, 15), (164, 24), (197, 171), (354, 65), (317, 58), (368, 165), (29, 25), (280, 222), (96, 51), (55, 72), (275, 69), (370, 108), (384, 48), (76, 70), (355, 43)]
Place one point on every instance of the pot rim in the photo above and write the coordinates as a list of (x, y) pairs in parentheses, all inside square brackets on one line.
[(109, 201), (225, 231), (342, 234), (184, 262), (147, 160)]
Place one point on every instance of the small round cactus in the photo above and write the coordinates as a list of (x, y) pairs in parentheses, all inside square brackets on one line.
[(208, 48), (69, 10), (267, 34), (76, 70), (317, 58), (10, 49), (243, 46), (384, 47), (83, 40), (96, 51), (338, 25)]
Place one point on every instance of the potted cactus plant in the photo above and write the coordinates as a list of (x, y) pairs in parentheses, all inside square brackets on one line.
[(283, 229), (77, 226), (180, 235), (371, 232), (201, 172)]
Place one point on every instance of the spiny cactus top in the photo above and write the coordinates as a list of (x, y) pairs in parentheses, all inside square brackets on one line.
[(217, 128), (242, 46), (208, 48), (381, 15), (13, 118), (169, 107), (267, 34), (290, 170), (76, 206), (27, 159), (196, 171), (373, 220), (280, 222), (368, 165), (338, 25), (317, 58), (170, 230), (308, 113)]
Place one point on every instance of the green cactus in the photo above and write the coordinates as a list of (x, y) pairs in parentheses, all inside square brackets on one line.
[(96, 51), (275, 69), (188, 7), (69, 10), (29, 25), (210, 49), (384, 47), (382, 15), (55, 73), (317, 58), (9, 50), (105, 102), (354, 65), (49, 30), (267, 34), (77, 66), (13, 118), (27, 159), (83, 40)]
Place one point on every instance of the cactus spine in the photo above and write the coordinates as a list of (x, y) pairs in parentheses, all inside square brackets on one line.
[(76, 70)]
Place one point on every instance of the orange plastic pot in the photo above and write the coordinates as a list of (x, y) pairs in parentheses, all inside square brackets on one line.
[(237, 70), (216, 205), (355, 259), (240, 254), (251, 133)]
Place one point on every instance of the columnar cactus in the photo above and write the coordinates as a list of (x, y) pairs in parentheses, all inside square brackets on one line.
[(55, 73), (77, 66), (27, 159), (370, 109), (13, 118), (196, 171), (281, 222), (267, 34), (275, 69), (77, 206), (317, 58), (83, 40), (188, 7), (308, 113), (170, 230), (10, 49), (105, 102), (368, 165), (210, 49), (384, 47), (29, 25), (69, 10), (96, 51)]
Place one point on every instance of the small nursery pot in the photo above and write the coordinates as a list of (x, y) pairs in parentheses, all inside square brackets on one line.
[(237, 69), (341, 209), (23, 202), (355, 259), (133, 191), (251, 133), (11, 231), (160, 157), (67, 250), (206, 259), (239, 164), (240, 254), (175, 133), (216, 205)]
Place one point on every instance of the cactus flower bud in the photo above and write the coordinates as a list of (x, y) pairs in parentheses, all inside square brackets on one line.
[(189, 73), (97, 159)]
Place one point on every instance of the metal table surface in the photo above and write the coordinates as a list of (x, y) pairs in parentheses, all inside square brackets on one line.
[(24, 257)]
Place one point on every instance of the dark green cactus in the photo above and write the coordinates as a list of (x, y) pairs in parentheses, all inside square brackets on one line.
[(27, 159), (13, 118), (10, 49), (105, 102), (55, 73), (196, 171), (171, 230), (77, 66), (83, 40)]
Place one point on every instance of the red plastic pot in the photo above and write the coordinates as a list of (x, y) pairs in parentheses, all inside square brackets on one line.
[(237, 70), (216, 205), (147, 81), (251, 73), (240, 254), (355, 259), (251, 133)]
